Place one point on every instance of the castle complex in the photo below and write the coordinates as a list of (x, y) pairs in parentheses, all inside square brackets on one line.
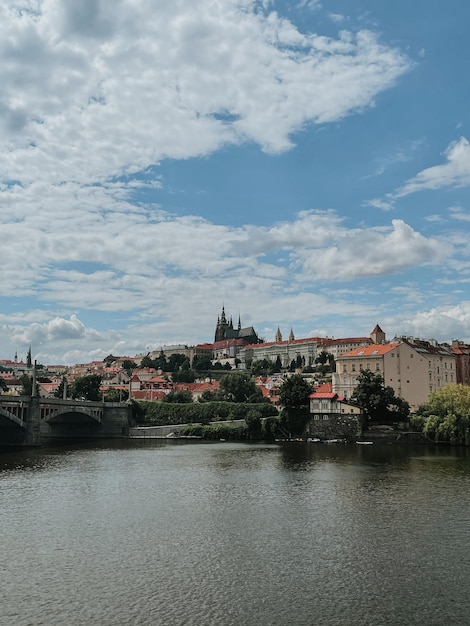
[(413, 367)]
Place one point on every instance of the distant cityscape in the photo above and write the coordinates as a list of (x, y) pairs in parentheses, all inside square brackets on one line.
[(412, 367)]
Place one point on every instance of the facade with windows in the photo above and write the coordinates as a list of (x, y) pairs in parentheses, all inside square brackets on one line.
[(302, 351), (412, 367), (332, 416)]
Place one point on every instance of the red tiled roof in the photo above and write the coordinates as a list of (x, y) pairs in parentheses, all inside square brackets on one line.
[(228, 343), (324, 388), (371, 350), (324, 396)]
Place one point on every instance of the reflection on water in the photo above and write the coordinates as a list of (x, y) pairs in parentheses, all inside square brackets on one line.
[(156, 532)]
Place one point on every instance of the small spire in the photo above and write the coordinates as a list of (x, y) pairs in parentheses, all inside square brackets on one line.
[(291, 335)]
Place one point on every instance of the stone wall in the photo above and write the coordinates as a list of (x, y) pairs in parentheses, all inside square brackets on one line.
[(337, 426)]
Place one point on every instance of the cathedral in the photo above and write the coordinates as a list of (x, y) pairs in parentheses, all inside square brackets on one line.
[(225, 330)]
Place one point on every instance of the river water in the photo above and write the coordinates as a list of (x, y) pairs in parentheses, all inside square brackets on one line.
[(150, 533)]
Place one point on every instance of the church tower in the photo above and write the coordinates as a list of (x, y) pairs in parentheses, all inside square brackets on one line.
[(291, 335), (222, 327), (278, 337), (377, 335)]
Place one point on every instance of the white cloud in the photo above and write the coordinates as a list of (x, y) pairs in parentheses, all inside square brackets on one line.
[(458, 213), (369, 252), (56, 329), (454, 173), (97, 88), (442, 323), (384, 205)]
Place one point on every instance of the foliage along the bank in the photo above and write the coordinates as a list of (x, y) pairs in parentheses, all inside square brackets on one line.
[(446, 415), (252, 430), (294, 394), (166, 413), (379, 401)]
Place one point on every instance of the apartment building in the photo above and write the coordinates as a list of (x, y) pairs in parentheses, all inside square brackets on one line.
[(307, 349), (462, 354), (412, 367)]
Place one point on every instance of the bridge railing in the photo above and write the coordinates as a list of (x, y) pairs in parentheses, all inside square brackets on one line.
[(15, 405)]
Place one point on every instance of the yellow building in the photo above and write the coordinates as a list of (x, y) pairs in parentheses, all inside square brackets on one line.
[(412, 367)]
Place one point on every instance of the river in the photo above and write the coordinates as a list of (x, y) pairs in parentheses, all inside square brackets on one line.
[(230, 534)]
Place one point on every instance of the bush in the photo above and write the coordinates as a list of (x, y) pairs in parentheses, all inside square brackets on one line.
[(165, 413), (216, 431)]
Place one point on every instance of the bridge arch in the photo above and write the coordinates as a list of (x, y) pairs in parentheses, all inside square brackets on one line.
[(12, 417), (75, 414)]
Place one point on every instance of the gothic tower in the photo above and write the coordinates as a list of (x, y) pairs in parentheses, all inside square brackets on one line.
[(377, 335)]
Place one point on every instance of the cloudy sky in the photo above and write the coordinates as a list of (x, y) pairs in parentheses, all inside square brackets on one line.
[(304, 163)]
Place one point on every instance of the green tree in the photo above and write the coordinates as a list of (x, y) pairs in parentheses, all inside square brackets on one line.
[(202, 363), (59, 392), (108, 360), (128, 365), (87, 388), (184, 376), (378, 401), (116, 395), (27, 383), (147, 361), (176, 361), (446, 415), (262, 367), (294, 395), (210, 396), (253, 422), (160, 362), (238, 387), (322, 358), (178, 397)]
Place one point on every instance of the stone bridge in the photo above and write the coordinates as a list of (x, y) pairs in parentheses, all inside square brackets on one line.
[(35, 421)]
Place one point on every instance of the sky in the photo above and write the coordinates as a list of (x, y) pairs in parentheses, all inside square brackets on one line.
[(304, 164)]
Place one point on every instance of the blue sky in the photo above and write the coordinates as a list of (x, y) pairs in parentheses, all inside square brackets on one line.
[(306, 164)]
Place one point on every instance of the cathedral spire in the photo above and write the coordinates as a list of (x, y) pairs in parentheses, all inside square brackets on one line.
[(278, 337)]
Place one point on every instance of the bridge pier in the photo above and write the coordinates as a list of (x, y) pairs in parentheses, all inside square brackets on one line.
[(33, 423)]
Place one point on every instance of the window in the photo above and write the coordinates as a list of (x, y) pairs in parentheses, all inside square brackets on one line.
[(377, 367), (344, 367), (325, 417), (361, 367), (353, 367), (316, 417)]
